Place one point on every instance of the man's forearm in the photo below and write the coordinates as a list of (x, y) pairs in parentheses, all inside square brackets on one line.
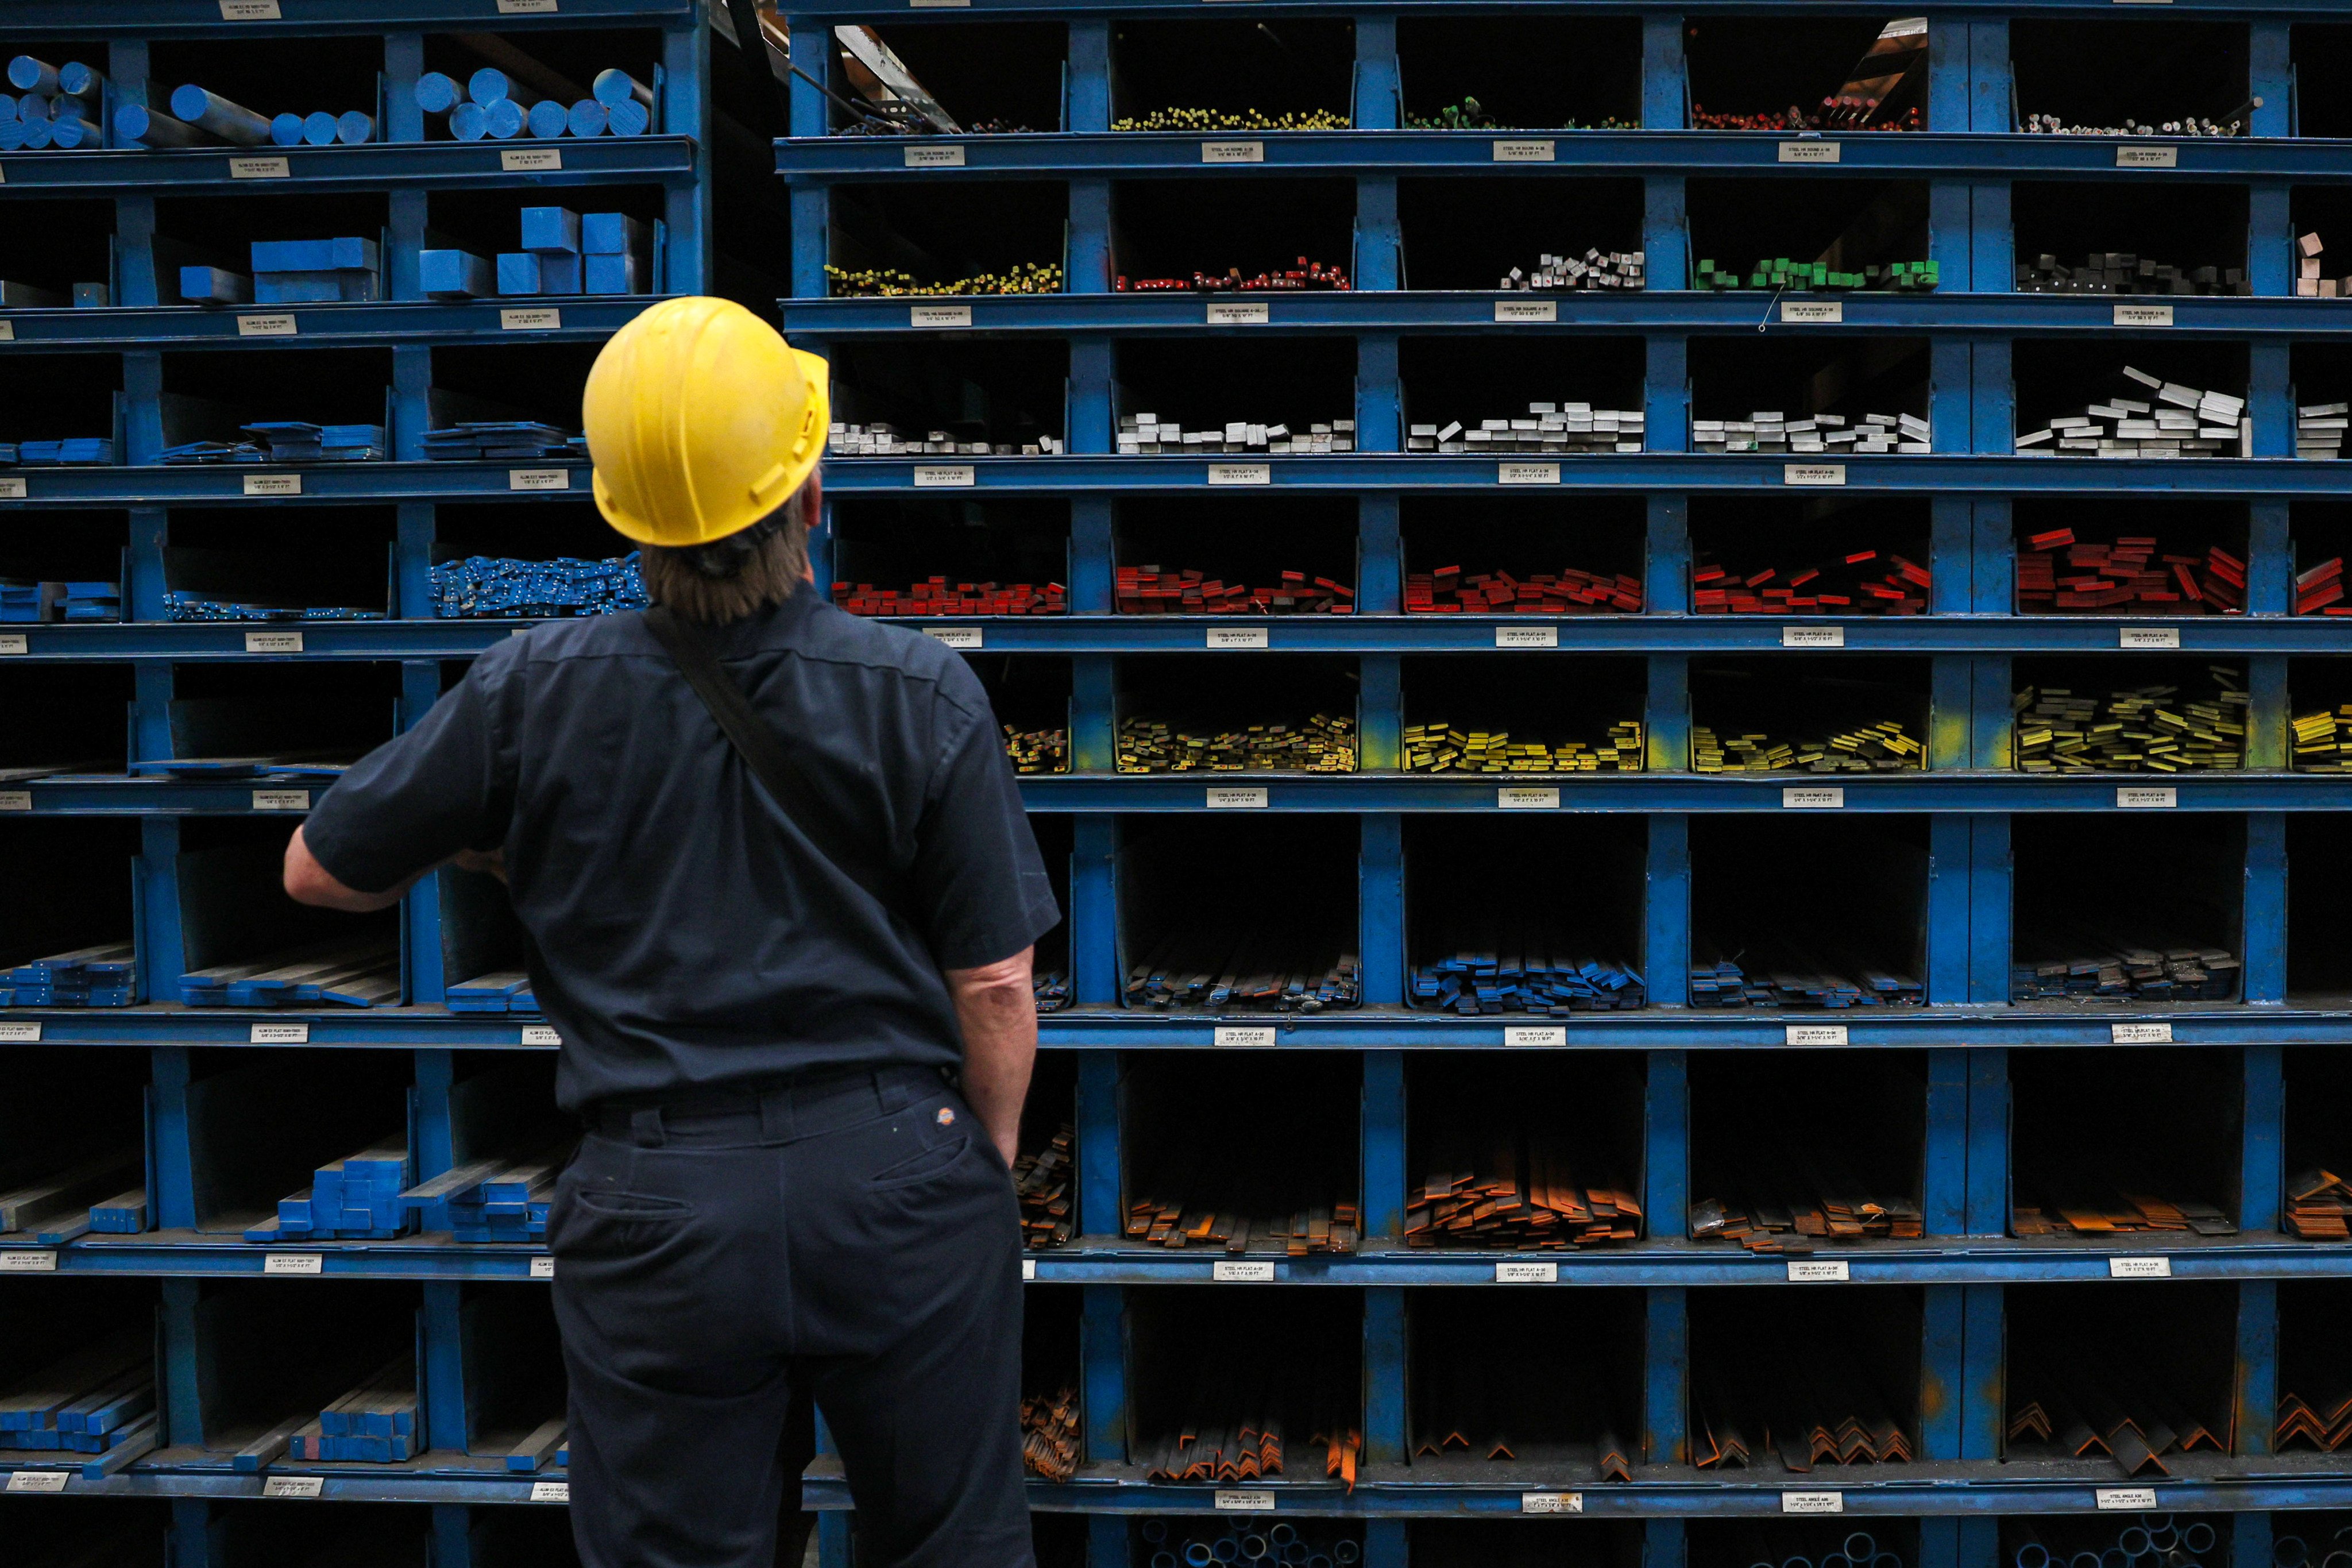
[(996, 1009)]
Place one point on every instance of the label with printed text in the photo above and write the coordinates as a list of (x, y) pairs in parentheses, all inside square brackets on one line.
[(273, 484), (278, 326), (945, 476), (2149, 636), (1535, 1034), (1527, 473), (1551, 1502), (1527, 799), (1240, 314), (1028, 1269), (539, 478), (1241, 1271), (20, 1034), (28, 1260), (7, 331), (2139, 1034), (1812, 474), (1527, 310), (2139, 1268), (1237, 637), (542, 1268), (294, 1486), (250, 11), (279, 1035), (291, 1263), (273, 642), (15, 800), (11, 490), (1241, 473), (1817, 1271), (1817, 311), (529, 161), (1244, 1502), (14, 641), (1829, 799), (2148, 157), (527, 8), (1236, 797), (40, 1480), (934, 158), (540, 1034), (551, 1491), (1250, 1035), (2143, 315), (956, 636), (2124, 1500), (1809, 152), (533, 318), (2147, 797), (1814, 1035), (1232, 151), (259, 169), (1516, 151), (938, 4), (1812, 1502), (281, 800), (938, 315), (1813, 636), (1527, 1273), (1527, 636)]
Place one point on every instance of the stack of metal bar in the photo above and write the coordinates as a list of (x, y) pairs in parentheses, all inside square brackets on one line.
[(1811, 277), (180, 606), (2086, 1201), (889, 282), (106, 976), (1538, 969), (500, 1199), (1519, 1189), (1226, 1205), (46, 106), (1232, 120), (1280, 959), (1147, 434), (74, 451), (482, 585), (1235, 1413), (1323, 744), (2319, 429), (939, 596), (1249, 1448), (373, 1423), (1779, 975), (1881, 748), (1807, 1409), (2325, 1424), (1307, 275), (2123, 272), (364, 974), (1596, 268), (51, 1202), (2231, 124), (2318, 1205), (25, 599), (1038, 750), (356, 1198), (2308, 283), (1150, 591), (2132, 570), (2075, 1403), (1799, 1199), (286, 441), (1050, 1445), (202, 119), (1774, 433), (492, 104), (1311, 1542), (1853, 583), (1042, 1179), (2143, 729), (97, 1400), (504, 991), (502, 441), (2105, 968), (880, 438), (1050, 985), (2320, 590), (1545, 429), (1437, 747), (2181, 422), (345, 271), (1450, 591)]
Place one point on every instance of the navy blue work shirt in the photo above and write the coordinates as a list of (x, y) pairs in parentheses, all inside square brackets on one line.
[(683, 936)]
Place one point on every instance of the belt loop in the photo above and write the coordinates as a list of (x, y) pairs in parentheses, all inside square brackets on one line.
[(645, 1128), (776, 1115)]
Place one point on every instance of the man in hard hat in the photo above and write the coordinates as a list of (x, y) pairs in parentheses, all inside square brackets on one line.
[(785, 937)]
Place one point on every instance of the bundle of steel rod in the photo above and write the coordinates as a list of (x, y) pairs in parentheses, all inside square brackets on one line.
[(499, 1199), (2121, 272), (1828, 1546), (2182, 422), (501, 440), (202, 119), (2231, 124), (2154, 1538), (1882, 748), (482, 585), (880, 438), (91, 1401), (491, 103), (1795, 118), (987, 125), (1152, 591), (1306, 275), (1051, 988), (1857, 583), (1272, 963), (1517, 1188), (1774, 433), (503, 991), (1450, 591), (1050, 1445), (2088, 1400), (54, 1205), (106, 976), (180, 606), (1321, 746), (2134, 569), (1043, 1180), (373, 1423), (1545, 427), (939, 596), (2145, 729), (74, 451), (286, 441), (1471, 115), (1538, 972), (355, 1198), (1309, 1542), (2319, 1203), (46, 106), (1022, 278), (2308, 283), (1232, 120), (1038, 750), (1785, 1194), (2319, 428), (1149, 436), (1596, 268), (293, 272), (2108, 969), (1902, 276), (363, 974), (1436, 747), (1808, 1409), (1782, 975), (23, 599)]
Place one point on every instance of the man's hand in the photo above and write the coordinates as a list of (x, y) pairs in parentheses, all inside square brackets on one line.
[(996, 1009)]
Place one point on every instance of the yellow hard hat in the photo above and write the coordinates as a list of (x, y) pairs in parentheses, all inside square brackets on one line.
[(700, 420)]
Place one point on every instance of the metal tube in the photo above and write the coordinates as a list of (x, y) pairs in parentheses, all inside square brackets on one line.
[(2290, 1552), (229, 122), (616, 87), (1861, 1546), (135, 122), (1198, 1555), (1344, 1553), (2199, 1537), (2132, 1541)]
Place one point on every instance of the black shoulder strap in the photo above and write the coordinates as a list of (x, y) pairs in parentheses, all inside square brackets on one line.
[(770, 761)]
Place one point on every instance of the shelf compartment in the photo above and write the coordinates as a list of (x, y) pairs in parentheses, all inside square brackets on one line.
[(2047, 1540), (2318, 939), (989, 76), (1525, 1543), (562, 65), (1295, 66), (1759, 65), (2106, 714), (1225, 1156), (1316, 1543), (1237, 715), (899, 548), (1561, 1400), (80, 401), (946, 238), (73, 1148), (2315, 1083), (1221, 229), (2139, 1141), (82, 1375), (513, 1371), (1475, 383), (1212, 1363), (64, 249), (300, 564), (1527, 73), (1861, 555), (259, 1128), (2117, 1376), (1524, 537), (1806, 1150), (1468, 955), (1874, 1543), (1045, 1172), (999, 395), (279, 1357), (1813, 1380), (2098, 73), (1052, 1417), (1539, 715), (1031, 696), (1523, 1154), (593, 569), (2064, 547), (1734, 379), (70, 1531), (2058, 380), (1753, 947), (1844, 224), (84, 922), (2109, 909), (2186, 229), (1284, 549), (219, 231), (1801, 714), (72, 720), (1468, 233)]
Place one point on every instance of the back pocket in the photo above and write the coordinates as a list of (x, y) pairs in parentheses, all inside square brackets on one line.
[(935, 1161)]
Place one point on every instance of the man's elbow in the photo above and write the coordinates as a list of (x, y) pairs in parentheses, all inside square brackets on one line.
[(308, 882), (995, 984)]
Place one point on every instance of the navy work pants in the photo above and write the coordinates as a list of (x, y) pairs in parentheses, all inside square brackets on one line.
[(856, 1240)]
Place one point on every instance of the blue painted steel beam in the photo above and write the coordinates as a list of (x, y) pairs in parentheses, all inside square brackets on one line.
[(848, 10), (32, 19), (214, 485), (373, 166), (582, 320)]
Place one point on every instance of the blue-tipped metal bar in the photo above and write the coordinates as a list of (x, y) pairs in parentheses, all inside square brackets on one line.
[(33, 106), (320, 129), (469, 122), (546, 119), (490, 85), (286, 130), (81, 80), (354, 128), (135, 124), (589, 118), (26, 74), (229, 122), (631, 119), (615, 87), (212, 286), (437, 93), (455, 275), (503, 119), (76, 133)]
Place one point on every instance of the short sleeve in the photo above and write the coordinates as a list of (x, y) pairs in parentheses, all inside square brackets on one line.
[(978, 877), (414, 801)]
